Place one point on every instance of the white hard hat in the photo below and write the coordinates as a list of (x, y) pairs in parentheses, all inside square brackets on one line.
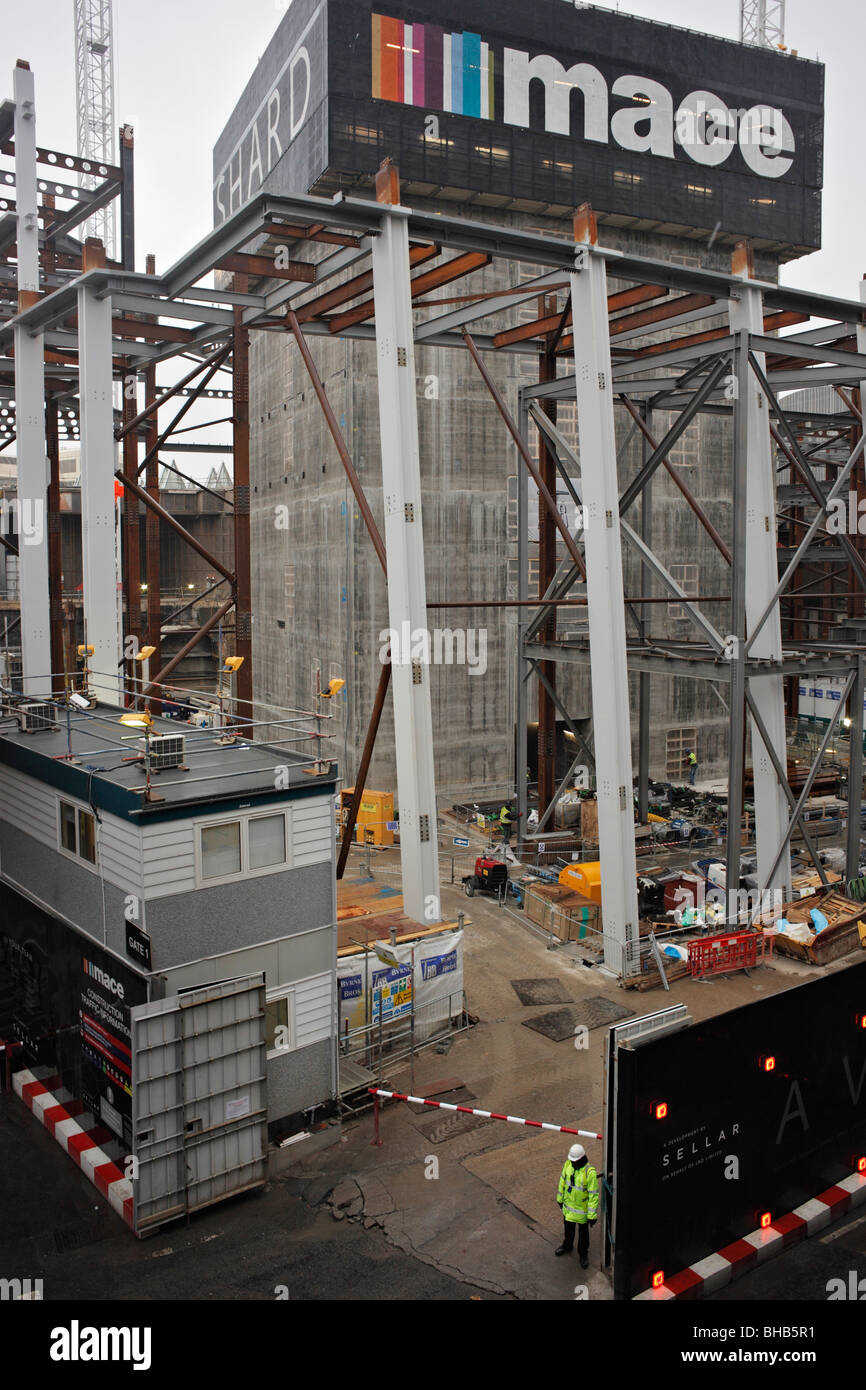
[(576, 1151)]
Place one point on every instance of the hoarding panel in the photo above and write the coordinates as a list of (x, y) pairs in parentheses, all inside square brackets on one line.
[(737, 1139), (561, 106)]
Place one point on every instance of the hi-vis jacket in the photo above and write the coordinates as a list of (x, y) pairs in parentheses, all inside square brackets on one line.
[(578, 1193)]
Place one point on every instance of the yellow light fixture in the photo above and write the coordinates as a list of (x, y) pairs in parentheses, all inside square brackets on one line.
[(334, 688), (233, 663), (137, 719), (85, 651), (144, 653)]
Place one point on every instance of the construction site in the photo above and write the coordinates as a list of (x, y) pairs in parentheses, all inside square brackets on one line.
[(433, 674)]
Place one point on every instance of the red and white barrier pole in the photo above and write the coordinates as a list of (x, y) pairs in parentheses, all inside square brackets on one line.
[(484, 1114)]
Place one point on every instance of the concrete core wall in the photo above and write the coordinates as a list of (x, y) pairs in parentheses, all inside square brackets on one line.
[(319, 598)]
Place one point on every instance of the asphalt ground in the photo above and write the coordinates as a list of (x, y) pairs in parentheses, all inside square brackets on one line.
[(55, 1227)]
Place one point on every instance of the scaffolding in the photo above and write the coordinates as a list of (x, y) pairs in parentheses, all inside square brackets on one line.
[(310, 267)]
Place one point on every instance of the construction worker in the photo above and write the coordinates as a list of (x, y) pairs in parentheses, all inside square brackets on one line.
[(505, 823), (693, 767), (578, 1200)]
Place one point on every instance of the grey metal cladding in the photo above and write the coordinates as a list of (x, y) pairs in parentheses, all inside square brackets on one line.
[(299, 1079), (230, 916), (276, 138)]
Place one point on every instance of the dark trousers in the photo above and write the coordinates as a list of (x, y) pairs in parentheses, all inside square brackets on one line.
[(582, 1228), (506, 832)]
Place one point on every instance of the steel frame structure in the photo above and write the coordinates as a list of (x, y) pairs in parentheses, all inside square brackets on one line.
[(361, 269)]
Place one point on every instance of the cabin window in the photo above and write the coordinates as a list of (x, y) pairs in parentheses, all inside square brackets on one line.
[(77, 832), (280, 1022), (221, 850), (255, 844), (267, 836), (67, 827)]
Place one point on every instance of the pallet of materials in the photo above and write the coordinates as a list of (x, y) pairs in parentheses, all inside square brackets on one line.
[(840, 936), (561, 911)]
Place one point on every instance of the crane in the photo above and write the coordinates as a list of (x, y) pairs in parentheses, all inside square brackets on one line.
[(762, 23), (95, 104)]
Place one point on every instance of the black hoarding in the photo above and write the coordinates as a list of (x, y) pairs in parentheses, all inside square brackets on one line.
[(563, 105), (753, 1112), (67, 1002), (529, 104)]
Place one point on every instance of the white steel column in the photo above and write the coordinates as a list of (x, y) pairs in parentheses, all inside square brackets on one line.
[(404, 546), (30, 448), (746, 313), (606, 610), (99, 550)]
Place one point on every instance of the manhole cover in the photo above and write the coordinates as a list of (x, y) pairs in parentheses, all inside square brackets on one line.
[(541, 991), (597, 1010), (557, 1025), (590, 1013)]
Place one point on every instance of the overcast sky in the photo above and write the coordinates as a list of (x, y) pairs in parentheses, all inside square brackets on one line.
[(181, 65)]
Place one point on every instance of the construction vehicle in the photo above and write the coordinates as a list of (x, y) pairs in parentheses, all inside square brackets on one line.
[(490, 876)]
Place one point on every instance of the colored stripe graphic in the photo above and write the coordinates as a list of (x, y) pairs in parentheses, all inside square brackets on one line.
[(433, 41), (377, 56), (457, 74), (421, 65), (472, 74), (392, 59), (418, 45)]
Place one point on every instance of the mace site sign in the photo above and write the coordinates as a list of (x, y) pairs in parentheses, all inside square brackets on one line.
[(547, 105)]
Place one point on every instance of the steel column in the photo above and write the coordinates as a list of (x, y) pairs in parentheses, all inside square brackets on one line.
[(98, 538), (32, 459), (604, 587), (404, 545), (746, 315)]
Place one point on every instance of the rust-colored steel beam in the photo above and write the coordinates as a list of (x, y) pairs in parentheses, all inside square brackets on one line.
[(571, 602), (151, 520), (159, 510), (673, 473), (336, 435), (379, 547), (359, 284), (131, 548), (151, 332), (170, 391), (159, 679), (545, 748), (364, 766), (316, 233), (623, 299), (524, 453), (782, 319), (187, 405), (242, 587), (264, 267), (430, 280)]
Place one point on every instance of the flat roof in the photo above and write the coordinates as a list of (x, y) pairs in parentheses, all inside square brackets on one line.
[(91, 756)]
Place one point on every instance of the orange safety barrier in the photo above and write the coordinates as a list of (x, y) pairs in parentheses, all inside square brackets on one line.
[(717, 955)]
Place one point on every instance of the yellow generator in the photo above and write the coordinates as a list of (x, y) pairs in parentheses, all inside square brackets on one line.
[(374, 814), (584, 878)]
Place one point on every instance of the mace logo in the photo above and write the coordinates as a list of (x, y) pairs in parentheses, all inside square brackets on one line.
[(422, 65), (77, 1343), (103, 978)]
